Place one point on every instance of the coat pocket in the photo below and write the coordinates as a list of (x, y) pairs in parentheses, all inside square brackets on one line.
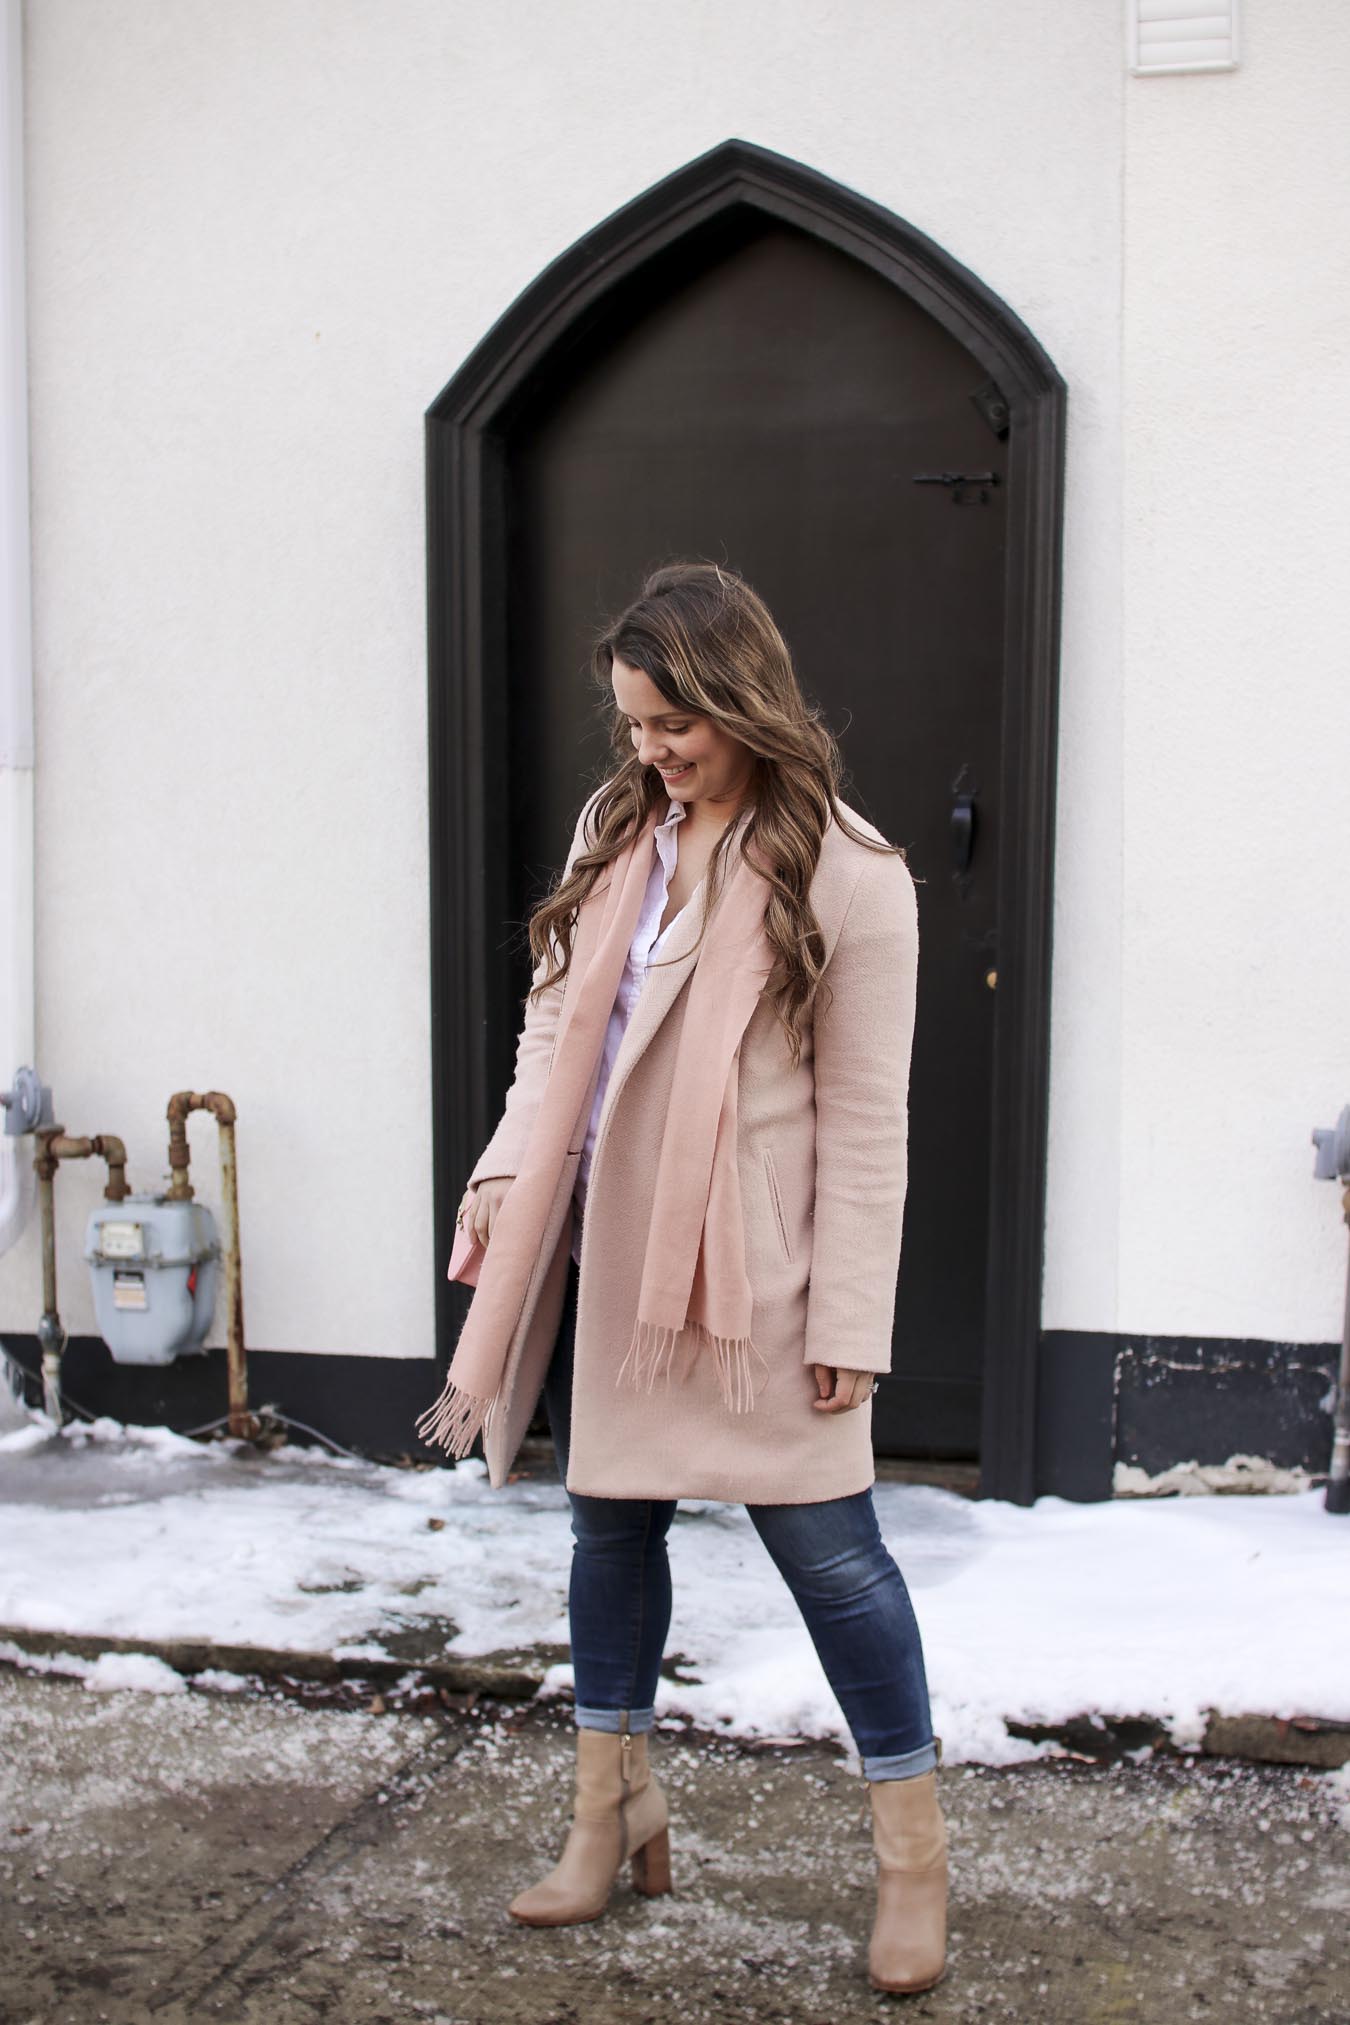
[(776, 1199)]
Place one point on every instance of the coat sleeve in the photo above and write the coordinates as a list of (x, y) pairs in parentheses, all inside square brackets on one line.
[(534, 1051), (863, 1040)]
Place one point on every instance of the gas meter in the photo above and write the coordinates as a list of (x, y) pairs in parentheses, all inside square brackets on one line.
[(153, 1261)]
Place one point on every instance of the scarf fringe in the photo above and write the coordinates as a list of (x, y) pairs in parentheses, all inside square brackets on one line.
[(651, 1356), (455, 1421)]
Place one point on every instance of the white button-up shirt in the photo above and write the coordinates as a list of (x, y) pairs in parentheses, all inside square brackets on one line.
[(645, 945)]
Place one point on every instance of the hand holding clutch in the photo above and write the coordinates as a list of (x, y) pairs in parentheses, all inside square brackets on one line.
[(476, 1215), (466, 1258)]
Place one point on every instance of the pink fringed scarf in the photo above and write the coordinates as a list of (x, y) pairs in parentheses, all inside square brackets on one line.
[(695, 1286)]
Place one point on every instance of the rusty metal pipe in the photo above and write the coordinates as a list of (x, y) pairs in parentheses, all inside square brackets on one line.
[(182, 1104), (103, 1146), (1337, 1495), (51, 1335), (54, 1146)]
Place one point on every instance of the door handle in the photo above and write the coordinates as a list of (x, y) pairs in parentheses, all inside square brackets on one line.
[(963, 832)]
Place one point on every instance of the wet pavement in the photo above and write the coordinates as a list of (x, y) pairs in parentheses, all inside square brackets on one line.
[(261, 1857)]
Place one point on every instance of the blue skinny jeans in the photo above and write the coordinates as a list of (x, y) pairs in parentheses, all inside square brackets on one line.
[(847, 1586)]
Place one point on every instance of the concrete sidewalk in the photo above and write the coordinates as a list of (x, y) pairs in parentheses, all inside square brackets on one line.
[(243, 1857)]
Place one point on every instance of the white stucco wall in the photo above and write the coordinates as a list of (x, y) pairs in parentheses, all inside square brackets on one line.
[(1236, 970), (263, 236)]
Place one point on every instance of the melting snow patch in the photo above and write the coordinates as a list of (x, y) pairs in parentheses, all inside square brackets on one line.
[(220, 1683), (139, 1670), (134, 1670), (1245, 1473), (1165, 1607), (1338, 1785), (20, 1438)]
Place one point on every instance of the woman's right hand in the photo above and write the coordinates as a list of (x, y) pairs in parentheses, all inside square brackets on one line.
[(480, 1204)]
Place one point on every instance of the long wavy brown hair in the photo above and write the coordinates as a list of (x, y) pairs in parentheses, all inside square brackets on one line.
[(708, 643)]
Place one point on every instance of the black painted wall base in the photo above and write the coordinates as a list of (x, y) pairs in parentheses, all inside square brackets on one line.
[(1158, 1400), (367, 1404), (1151, 1401)]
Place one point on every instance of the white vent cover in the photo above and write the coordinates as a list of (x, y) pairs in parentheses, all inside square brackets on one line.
[(1182, 35)]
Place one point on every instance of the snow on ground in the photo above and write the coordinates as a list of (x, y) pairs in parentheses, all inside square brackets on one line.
[(1166, 1607)]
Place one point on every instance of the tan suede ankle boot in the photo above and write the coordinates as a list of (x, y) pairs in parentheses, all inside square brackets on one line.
[(909, 1938), (620, 1813)]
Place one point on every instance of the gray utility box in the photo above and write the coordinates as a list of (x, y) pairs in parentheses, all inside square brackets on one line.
[(154, 1264)]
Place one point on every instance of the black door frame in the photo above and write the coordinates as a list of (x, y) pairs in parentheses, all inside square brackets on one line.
[(472, 998)]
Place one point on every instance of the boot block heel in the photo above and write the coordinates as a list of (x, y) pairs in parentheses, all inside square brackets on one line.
[(651, 1865)]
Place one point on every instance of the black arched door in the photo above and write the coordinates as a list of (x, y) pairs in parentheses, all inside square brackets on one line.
[(780, 408), (755, 387)]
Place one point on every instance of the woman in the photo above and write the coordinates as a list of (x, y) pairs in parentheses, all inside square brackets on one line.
[(686, 1228)]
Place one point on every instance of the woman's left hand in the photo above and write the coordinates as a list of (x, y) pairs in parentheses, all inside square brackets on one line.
[(840, 1391)]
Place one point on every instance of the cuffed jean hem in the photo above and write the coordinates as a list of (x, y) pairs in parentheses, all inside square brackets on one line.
[(906, 1765), (611, 1720)]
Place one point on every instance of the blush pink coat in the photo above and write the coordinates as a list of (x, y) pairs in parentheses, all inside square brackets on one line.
[(822, 1159)]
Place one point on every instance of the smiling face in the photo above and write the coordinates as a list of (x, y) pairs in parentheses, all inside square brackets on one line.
[(697, 760)]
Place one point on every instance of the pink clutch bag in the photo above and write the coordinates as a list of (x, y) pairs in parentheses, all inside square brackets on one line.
[(466, 1256)]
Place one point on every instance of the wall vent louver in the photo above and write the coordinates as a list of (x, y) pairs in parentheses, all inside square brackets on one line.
[(1170, 35)]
